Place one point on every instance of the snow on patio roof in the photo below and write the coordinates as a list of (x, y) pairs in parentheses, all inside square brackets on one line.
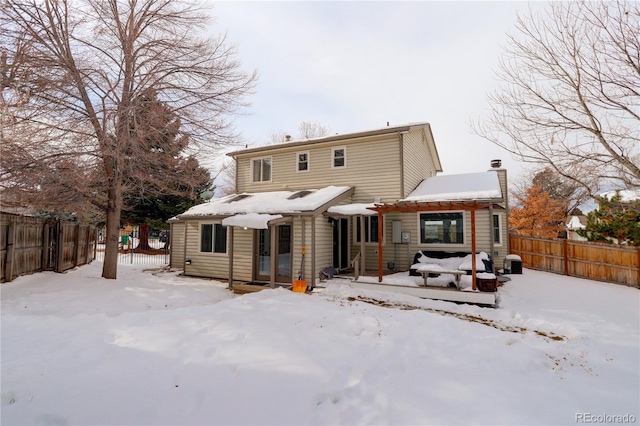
[(469, 186), (352, 209), (274, 202), (250, 220)]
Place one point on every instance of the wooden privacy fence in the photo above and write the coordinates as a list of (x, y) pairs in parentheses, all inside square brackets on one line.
[(604, 262), (29, 244)]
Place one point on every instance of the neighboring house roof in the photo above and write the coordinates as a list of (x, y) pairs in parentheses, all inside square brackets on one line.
[(340, 137), (577, 222), (626, 195), (274, 202), (461, 187)]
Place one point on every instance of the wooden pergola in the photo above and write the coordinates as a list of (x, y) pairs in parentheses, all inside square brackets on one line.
[(429, 206)]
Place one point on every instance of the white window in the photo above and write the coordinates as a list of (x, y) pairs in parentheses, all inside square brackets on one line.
[(303, 161), (370, 229), (213, 238), (496, 229), (339, 157), (261, 169), (442, 228)]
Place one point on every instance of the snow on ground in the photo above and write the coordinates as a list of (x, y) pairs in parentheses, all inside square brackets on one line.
[(155, 348)]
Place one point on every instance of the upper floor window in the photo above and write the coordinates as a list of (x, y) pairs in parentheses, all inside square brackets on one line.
[(303, 161), (213, 238), (370, 229), (339, 157), (262, 169), (442, 228)]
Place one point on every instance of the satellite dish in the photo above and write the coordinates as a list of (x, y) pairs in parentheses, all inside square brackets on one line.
[(206, 195)]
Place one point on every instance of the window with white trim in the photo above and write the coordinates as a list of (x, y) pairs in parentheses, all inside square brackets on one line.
[(213, 238), (338, 157), (442, 228), (303, 161), (370, 229), (261, 169), (496, 229)]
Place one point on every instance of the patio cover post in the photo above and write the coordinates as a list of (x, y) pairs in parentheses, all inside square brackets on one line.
[(362, 246), (230, 236), (379, 246), (272, 260), (473, 248)]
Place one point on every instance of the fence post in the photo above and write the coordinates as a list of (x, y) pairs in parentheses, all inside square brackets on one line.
[(86, 247), (11, 239), (565, 253), (638, 272), (60, 246)]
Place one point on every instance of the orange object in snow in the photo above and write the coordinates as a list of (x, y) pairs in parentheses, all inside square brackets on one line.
[(299, 286)]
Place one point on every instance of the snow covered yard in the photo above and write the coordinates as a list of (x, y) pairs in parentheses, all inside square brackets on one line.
[(155, 348)]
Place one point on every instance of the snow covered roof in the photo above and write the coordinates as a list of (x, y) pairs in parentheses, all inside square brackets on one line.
[(576, 222), (462, 187), (275, 202), (626, 195), (250, 220), (352, 209), (332, 138)]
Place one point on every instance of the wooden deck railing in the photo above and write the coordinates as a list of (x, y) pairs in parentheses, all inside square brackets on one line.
[(603, 262)]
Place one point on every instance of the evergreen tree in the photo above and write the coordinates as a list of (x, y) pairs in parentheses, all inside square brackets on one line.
[(171, 182), (615, 220)]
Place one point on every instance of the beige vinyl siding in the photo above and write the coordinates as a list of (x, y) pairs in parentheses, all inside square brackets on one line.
[(373, 168), (176, 258), (213, 265), (417, 162), (324, 245), (242, 254), (501, 251)]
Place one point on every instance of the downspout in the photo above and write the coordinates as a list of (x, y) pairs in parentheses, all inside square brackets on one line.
[(230, 257), (184, 248)]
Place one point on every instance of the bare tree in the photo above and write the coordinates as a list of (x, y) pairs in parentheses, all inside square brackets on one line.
[(306, 130), (82, 72), (567, 192), (312, 129), (570, 93)]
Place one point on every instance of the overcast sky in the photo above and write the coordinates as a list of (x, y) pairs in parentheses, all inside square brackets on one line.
[(355, 66)]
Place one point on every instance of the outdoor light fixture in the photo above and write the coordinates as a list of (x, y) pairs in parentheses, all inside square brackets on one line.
[(187, 262)]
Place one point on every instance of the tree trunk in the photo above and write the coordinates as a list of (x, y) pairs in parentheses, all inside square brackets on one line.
[(143, 244), (110, 266)]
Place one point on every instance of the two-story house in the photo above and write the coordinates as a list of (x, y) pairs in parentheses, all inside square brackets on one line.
[(303, 206)]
